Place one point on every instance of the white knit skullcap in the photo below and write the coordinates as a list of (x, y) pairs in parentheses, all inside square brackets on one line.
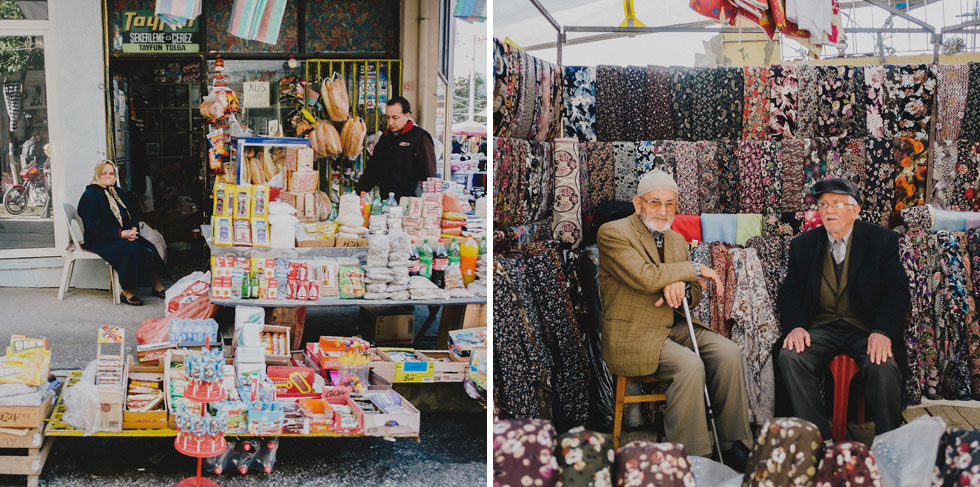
[(654, 180)]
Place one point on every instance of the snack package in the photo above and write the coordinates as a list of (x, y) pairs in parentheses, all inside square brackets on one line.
[(222, 231), (223, 196), (243, 202), (351, 279), (326, 274), (304, 159), (260, 201), (260, 232), (242, 235)]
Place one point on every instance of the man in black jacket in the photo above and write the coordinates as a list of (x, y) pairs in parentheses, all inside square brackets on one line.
[(403, 157), (845, 292)]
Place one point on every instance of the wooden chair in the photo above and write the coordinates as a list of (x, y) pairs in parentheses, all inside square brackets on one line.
[(844, 368), (622, 399), (75, 252)]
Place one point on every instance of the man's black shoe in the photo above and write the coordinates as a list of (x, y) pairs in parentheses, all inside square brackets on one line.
[(737, 456)]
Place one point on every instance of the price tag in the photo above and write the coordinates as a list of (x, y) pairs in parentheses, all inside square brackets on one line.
[(256, 94)]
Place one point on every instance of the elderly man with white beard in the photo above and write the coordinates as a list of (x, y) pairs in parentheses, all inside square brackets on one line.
[(644, 274)]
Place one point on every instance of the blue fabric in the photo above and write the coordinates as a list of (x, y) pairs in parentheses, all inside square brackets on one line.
[(954, 221), (719, 227)]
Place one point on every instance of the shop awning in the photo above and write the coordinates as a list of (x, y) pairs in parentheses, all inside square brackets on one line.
[(470, 127)]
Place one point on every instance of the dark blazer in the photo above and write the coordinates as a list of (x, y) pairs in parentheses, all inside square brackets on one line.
[(877, 285)]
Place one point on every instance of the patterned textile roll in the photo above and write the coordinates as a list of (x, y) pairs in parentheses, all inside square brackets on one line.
[(835, 101), (529, 97), (952, 318), (848, 464), (791, 160), (721, 305), (520, 362), (879, 181), (686, 158), (701, 253), (557, 102), (808, 101), (786, 224), (610, 102), (728, 193), (784, 453), (958, 462), (970, 128), (750, 188), (602, 173), (854, 161), (913, 248), (717, 103), (583, 186), (624, 155), (755, 331), (911, 164), (524, 449), (708, 177), (527, 178), (783, 90), (567, 220), (874, 88), (659, 116), (506, 87), (646, 464), (538, 173), (770, 251), (655, 154), (635, 114), (952, 86), (579, 103), (542, 104), (682, 86), (945, 153), (910, 90), (965, 195), (502, 155), (585, 458), (755, 107), (814, 169), (772, 176)]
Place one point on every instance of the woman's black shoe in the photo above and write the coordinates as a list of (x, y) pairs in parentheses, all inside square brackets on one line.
[(133, 301), (159, 294)]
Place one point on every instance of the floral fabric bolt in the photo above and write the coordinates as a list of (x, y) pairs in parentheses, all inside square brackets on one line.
[(579, 103), (646, 464), (791, 160), (585, 459), (784, 453), (659, 116), (874, 85), (751, 187), (970, 126), (602, 173), (611, 95), (519, 362), (879, 189), (636, 104), (783, 91), (910, 91), (682, 88), (848, 464), (686, 158), (945, 154), (958, 462), (708, 185), (755, 107), (624, 157), (952, 86), (523, 453), (911, 163)]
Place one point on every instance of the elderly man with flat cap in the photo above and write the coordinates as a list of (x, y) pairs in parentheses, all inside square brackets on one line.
[(845, 292), (644, 273)]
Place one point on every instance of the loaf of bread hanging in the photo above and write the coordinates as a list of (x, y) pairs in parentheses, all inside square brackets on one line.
[(325, 140), (334, 95), (353, 137)]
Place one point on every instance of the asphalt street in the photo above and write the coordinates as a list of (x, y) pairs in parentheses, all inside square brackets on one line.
[(452, 450)]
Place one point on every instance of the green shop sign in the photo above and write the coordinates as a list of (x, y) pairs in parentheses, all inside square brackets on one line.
[(140, 31)]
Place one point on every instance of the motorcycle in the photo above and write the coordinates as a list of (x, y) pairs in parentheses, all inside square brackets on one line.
[(33, 192)]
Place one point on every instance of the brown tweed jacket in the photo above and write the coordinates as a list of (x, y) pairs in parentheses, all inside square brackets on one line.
[(631, 280)]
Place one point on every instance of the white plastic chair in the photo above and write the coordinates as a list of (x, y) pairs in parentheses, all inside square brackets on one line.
[(74, 252)]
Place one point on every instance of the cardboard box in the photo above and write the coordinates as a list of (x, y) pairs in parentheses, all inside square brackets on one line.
[(112, 398), (352, 242), (32, 438), (303, 181), (270, 359), (393, 424), (388, 325), (463, 341), (250, 354), (475, 316), (148, 419), (315, 242), (173, 356), (304, 159), (423, 371), (249, 368), (25, 416), (338, 427), (264, 422)]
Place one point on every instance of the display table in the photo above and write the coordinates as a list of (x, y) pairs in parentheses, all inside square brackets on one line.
[(292, 313)]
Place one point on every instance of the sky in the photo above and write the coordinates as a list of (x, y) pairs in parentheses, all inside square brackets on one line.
[(519, 20)]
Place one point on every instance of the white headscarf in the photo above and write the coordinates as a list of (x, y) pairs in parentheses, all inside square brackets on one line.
[(110, 191)]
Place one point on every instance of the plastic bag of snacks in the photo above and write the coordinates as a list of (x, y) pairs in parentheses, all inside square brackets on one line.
[(453, 276), (377, 296), (377, 251), (376, 288), (351, 282)]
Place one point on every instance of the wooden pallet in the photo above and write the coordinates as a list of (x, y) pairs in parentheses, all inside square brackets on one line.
[(960, 417), (28, 451)]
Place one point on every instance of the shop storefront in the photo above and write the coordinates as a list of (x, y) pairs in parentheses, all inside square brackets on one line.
[(110, 81)]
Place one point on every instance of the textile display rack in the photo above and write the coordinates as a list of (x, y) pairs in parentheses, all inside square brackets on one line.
[(745, 146)]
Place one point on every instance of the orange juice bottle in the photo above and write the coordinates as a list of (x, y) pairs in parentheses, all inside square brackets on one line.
[(468, 253)]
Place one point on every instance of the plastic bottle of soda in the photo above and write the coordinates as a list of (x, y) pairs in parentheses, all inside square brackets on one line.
[(414, 263), (365, 207), (425, 258), (439, 264), (391, 200), (483, 246), (467, 263), (377, 208), (453, 251)]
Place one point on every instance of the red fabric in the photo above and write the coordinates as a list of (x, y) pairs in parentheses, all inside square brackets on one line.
[(725, 12), (687, 225), (811, 220)]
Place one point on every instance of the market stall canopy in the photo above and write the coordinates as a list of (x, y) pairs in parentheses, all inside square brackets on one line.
[(470, 127)]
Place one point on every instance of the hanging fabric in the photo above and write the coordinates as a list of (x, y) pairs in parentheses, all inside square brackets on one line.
[(682, 86), (944, 189), (506, 87), (808, 101), (602, 173), (966, 195), (755, 106), (12, 95), (814, 169), (717, 112), (783, 91), (718, 227), (583, 185), (540, 81), (771, 251), (786, 224), (970, 128), (519, 365), (540, 180), (635, 104), (791, 159), (721, 261), (909, 93), (874, 85), (654, 154), (911, 164), (257, 20), (624, 154), (771, 176), (755, 331), (835, 102), (750, 161), (686, 159), (177, 13), (659, 115), (611, 95), (701, 253), (747, 225), (952, 318), (553, 121), (708, 180), (567, 221), (879, 181), (728, 192), (579, 103), (952, 87), (914, 251), (855, 161)]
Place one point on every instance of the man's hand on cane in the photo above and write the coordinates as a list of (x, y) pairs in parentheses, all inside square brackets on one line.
[(674, 292)]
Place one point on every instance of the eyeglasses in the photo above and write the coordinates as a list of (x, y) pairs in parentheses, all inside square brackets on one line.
[(657, 204), (111, 173), (823, 205)]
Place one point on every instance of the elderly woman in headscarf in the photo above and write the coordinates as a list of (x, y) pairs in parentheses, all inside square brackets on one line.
[(112, 231)]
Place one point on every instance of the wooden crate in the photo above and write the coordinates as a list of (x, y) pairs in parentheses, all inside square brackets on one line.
[(30, 449)]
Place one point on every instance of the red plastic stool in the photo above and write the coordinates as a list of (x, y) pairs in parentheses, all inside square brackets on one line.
[(843, 368)]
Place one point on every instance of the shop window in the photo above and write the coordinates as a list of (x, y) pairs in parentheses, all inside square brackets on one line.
[(352, 26), (23, 10), (273, 77), (25, 216), (217, 16)]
